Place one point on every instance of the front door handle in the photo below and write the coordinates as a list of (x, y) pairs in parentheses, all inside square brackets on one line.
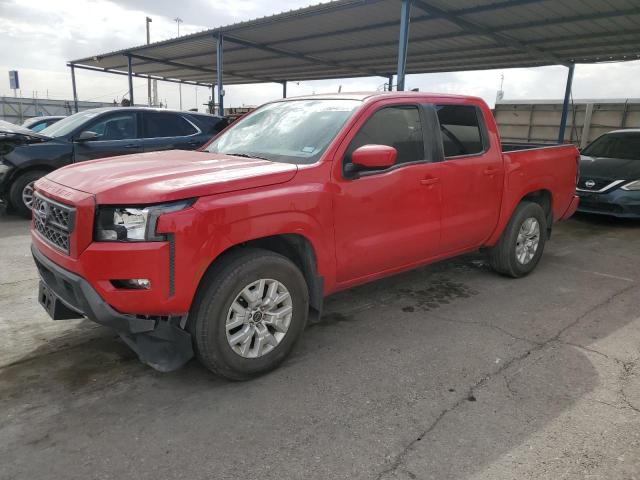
[(491, 171), (132, 145), (429, 181)]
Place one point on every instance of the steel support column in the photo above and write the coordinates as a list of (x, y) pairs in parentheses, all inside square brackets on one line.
[(220, 86), (565, 105), (284, 89), (129, 73), (390, 83), (73, 86), (403, 42)]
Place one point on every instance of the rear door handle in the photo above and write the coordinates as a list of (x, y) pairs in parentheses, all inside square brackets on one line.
[(491, 171), (132, 145), (429, 181)]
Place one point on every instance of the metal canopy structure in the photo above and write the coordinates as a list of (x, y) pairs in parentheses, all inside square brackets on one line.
[(356, 38)]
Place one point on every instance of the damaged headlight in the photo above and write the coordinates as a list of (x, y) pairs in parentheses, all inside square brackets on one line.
[(133, 224)]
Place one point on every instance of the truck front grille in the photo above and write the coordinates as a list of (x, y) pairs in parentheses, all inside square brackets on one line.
[(53, 221)]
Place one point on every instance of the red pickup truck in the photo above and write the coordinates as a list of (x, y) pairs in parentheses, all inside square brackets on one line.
[(227, 251)]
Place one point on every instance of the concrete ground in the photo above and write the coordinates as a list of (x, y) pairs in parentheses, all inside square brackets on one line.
[(447, 372)]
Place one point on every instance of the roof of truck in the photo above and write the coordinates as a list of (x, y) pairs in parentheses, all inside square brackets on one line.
[(375, 95)]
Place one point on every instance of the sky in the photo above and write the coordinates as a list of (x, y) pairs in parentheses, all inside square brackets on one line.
[(38, 37)]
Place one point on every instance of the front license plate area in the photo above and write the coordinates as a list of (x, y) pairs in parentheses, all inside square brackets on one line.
[(56, 309)]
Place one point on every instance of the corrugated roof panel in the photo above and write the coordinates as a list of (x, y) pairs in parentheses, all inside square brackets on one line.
[(350, 38)]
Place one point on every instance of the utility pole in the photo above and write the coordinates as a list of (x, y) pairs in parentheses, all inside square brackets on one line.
[(178, 20), (148, 21)]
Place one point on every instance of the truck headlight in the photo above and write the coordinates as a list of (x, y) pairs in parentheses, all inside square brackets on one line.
[(633, 186), (133, 224)]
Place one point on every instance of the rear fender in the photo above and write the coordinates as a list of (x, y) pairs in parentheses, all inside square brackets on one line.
[(517, 188)]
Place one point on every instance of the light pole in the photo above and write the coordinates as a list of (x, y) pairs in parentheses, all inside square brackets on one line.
[(178, 20), (148, 21)]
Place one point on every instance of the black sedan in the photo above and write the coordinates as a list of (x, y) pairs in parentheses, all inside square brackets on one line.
[(610, 175), (25, 156)]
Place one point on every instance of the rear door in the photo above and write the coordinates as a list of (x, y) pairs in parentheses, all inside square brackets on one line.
[(169, 131), (472, 177), (117, 135), (387, 219)]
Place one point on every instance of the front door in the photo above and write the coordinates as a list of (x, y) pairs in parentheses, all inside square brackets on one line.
[(385, 220), (117, 135)]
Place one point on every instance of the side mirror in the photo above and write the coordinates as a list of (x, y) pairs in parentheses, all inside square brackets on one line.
[(86, 136), (374, 156)]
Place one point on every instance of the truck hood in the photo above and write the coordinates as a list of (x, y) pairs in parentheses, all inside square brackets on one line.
[(165, 176)]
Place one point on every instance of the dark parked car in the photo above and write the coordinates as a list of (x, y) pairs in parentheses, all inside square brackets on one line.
[(610, 175), (25, 156), (37, 124)]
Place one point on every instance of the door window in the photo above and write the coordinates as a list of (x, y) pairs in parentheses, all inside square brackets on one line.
[(160, 124), (461, 130), (398, 127), (120, 126)]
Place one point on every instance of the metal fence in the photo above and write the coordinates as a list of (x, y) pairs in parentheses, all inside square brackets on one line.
[(538, 121), (17, 110)]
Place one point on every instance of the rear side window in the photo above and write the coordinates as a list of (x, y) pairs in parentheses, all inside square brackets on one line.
[(211, 125), (461, 130), (398, 127), (159, 124)]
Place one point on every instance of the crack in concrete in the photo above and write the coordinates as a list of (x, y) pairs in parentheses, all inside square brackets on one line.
[(486, 325), (627, 370), (400, 457)]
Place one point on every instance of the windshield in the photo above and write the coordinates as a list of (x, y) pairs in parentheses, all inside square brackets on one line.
[(294, 131), (69, 124), (615, 145)]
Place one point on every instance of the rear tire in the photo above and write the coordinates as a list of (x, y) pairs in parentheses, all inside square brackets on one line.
[(521, 245), (21, 191), (233, 303)]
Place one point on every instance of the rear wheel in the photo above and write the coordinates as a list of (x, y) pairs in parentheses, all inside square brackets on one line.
[(249, 313), (21, 192), (521, 245)]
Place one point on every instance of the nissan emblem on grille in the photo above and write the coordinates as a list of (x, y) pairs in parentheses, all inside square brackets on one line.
[(53, 221), (590, 184)]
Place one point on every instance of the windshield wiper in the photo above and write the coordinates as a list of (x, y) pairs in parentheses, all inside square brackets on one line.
[(246, 155)]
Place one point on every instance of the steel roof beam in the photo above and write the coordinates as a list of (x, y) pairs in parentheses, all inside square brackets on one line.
[(500, 38), (300, 56), (140, 75), (186, 66)]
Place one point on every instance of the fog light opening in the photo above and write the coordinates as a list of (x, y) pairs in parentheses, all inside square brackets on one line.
[(132, 284)]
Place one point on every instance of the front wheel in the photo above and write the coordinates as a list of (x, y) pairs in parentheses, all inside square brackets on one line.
[(21, 192), (249, 312), (521, 245)]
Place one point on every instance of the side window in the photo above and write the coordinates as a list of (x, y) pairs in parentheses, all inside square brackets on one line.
[(398, 127), (119, 126), (158, 124), (213, 125), (461, 130)]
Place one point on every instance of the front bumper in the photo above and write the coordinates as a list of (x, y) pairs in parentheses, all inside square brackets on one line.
[(617, 203), (160, 342)]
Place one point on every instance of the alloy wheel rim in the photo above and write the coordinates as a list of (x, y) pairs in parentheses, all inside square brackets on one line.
[(259, 318), (27, 195), (528, 240)]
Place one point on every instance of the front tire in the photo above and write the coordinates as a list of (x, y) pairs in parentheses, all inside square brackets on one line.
[(249, 313), (521, 245), (21, 192)]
